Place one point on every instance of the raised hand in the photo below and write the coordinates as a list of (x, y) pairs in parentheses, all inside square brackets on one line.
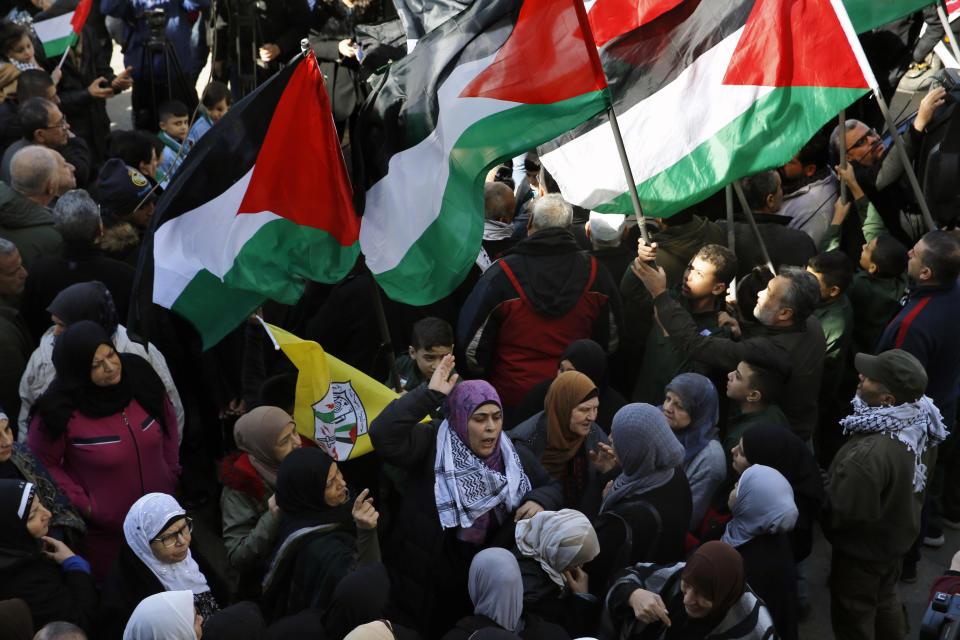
[(364, 515), (442, 380)]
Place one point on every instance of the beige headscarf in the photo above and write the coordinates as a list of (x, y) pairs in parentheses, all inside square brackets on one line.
[(256, 434), (567, 390), (377, 630), (558, 540)]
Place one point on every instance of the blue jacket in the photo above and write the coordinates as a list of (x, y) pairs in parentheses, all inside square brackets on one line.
[(135, 33), (927, 328)]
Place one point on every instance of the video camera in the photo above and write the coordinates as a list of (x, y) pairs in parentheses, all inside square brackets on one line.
[(156, 20), (942, 619)]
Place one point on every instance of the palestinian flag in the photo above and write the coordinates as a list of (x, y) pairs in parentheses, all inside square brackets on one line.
[(870, 14), (335, 403), (611, 18), (260, 204), (59, 33), (496, 80), (707, 93)]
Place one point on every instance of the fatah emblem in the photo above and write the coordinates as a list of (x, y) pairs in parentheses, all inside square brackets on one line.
[(339, 419)]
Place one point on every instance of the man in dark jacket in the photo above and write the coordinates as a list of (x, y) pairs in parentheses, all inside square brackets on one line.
[(78, 221), (24, 217), (927, 328), (544, 294), (875, 493), (784, 311)]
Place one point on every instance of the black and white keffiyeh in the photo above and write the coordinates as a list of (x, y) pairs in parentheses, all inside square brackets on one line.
[(465, 488), (918, 425)]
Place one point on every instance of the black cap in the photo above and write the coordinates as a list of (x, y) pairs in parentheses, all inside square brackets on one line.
[(897, 370), (119, 188)]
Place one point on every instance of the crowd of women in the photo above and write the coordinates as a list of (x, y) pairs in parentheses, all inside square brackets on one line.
[(567, 525)]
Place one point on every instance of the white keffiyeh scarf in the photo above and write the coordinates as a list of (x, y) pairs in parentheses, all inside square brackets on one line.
[(465, 488), (916, 424)]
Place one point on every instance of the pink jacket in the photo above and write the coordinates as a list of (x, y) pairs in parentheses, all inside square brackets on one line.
[(105, 464)]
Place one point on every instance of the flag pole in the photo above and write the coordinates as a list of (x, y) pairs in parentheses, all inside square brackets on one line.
[(731, 236), (63, 58), (753, 225), (843, 156), (385, 341), (905, 160), (945, 21), (612, 118)]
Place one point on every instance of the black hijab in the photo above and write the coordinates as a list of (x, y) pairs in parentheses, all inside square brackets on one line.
[(588, 358), (16, 497), (73, 390), (301, 481), (86, 301), (778, 447)]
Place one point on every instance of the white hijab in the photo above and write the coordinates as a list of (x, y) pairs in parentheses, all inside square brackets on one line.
[(145, 521), (558, 540), (163, 616)]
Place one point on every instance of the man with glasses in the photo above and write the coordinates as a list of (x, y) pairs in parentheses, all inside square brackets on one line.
[(42, 123), (879, 169)]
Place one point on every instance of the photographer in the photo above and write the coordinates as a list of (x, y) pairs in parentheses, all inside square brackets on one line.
[(157, 35)]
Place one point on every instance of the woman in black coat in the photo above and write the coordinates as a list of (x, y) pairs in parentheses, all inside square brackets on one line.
[(38, 569), (467, 485)]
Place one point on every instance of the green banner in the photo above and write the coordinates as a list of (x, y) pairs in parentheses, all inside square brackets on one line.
[(870, 14)]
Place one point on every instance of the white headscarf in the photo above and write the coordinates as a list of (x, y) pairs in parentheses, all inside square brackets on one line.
[(145, 521), (163, 616), (764, 505), (558, 540), (496, 587)]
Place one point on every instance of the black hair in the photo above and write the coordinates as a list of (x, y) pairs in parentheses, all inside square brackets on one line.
[(802, 294), (814, 152), (757, 187), (280, 391), (33, 83), (749, 288), (941, 255), (214, 93), (172, 109), (722, 259), (890, 257), (531, 161), (133, 147), (681, 217), (835, 267), (10, 34), (34, 114), (770, 371), (431, 332)]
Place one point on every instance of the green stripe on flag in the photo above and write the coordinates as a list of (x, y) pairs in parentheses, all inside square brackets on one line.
[(216, 308), (53, 48), (421, 278), (870, 14), (767, 135)]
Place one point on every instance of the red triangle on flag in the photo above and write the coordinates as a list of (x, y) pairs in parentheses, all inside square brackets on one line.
[(794, 43), (612, 18), (545, 59)]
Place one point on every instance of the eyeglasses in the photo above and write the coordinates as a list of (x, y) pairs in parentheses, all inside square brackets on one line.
[(60, 125), (171, 538), (871, 133)]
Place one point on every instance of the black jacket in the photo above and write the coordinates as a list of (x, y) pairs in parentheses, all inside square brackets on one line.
[(50, 592), (428, 565), (330, 23), (771, 573), (533, 628)]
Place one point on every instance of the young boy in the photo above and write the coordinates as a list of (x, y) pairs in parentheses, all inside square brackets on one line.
[(876, 290), (755, 387), (834, 272), (174, 127), (431, 340), (216, 101)]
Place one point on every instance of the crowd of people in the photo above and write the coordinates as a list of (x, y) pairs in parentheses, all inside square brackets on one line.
[(596, 436)]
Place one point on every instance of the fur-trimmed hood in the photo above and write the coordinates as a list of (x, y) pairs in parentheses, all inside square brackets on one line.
[(237, 473)]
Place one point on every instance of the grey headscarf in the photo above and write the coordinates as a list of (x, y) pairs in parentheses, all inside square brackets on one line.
[(764, 505), (648, 451), (496, 587), (558, 540)]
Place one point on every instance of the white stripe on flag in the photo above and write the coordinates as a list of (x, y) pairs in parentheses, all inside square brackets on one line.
[(54, 28), (208, 237), (407, 200), (854, 42), (27, 488)]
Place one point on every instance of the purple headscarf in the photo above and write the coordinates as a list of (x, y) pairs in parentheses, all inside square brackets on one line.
[(462, 402)]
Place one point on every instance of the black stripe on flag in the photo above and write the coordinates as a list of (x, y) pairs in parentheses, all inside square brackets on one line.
[(642, 61)]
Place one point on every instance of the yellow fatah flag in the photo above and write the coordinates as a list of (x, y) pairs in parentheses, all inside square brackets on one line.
[(335, 403)]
